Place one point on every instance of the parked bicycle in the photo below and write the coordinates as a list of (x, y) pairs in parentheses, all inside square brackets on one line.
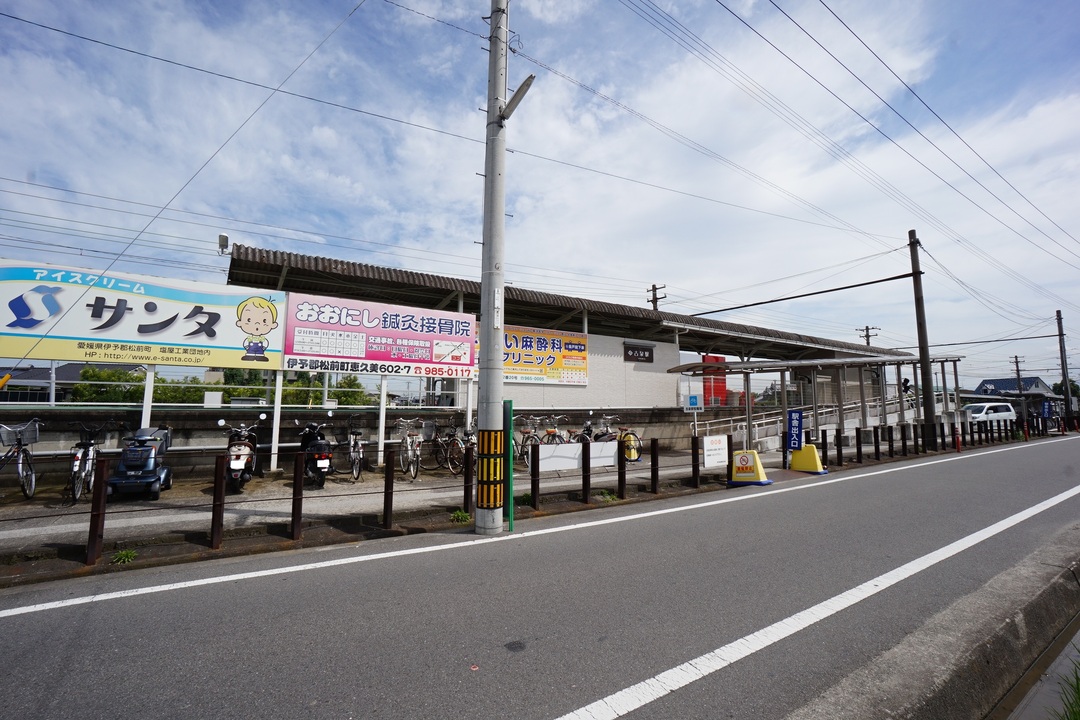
[(409, 446), (529, 437), (435, 451), (18, 438), (456, 451), (632, 443), (356, 448), (84, 458), (552, 435)]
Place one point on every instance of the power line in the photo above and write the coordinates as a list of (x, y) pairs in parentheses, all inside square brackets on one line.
[(942, 121)]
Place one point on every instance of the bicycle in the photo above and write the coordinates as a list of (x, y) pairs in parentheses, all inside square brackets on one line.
[(409, 446), (18, 438), (439, 446), (523, 448), (552, 435), (632, 443), (455, 454), (84, 458), (351, 443)]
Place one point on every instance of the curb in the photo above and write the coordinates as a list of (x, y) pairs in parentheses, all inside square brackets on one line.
[(947, 670)]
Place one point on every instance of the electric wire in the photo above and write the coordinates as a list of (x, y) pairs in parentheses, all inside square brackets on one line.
[(943, 122)]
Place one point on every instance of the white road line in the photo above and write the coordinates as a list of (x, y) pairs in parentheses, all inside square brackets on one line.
[(630, 699), (134, 592)]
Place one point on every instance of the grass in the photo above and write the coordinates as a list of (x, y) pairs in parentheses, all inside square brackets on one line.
[(1070, 695), (123, 557), (460, 517)]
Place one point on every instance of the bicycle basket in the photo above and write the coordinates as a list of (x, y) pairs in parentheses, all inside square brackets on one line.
[(428, 430), (29, 433), (341, 435)]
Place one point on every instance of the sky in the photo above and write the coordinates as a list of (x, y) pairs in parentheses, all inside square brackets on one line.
[(733, 152)]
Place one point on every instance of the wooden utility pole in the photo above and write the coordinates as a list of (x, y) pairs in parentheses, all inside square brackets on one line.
[(866, 334), (655, 299)]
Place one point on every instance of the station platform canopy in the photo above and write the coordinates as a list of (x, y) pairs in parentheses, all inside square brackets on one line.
[(755, 366), (277, 270)]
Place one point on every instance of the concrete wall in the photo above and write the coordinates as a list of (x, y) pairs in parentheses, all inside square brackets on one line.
[(613, 382)]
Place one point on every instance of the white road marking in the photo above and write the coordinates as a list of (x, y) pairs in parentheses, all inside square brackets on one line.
[(134, 592)]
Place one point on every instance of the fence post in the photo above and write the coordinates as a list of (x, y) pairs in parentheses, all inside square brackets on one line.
[(695, 461), (586, 472), (877, 442), (858, 445), (620, 465), (468, 475), (388, 488), (915, 437), (297, 496), (839, 448), (97, 513), (825, 448), (534, 477), (654, 466), (892, 442), (217, 514), (903, 440)]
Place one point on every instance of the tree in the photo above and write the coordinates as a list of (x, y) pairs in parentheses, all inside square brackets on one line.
[(109, 385), (1074, 389), (349, 391)]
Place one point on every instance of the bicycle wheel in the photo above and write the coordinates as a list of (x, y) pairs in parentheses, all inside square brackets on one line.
[(414, 463), (632, 446), (429, 460), (27, 478), (455, 455), (356, 459), (403, 454), (553, 439), (76, 485), (88, 475), (526, 449)]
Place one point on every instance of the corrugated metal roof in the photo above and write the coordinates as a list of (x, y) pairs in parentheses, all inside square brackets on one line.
[(274, 269)]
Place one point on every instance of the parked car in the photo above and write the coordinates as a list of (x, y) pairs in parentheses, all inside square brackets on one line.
[(990, 411)]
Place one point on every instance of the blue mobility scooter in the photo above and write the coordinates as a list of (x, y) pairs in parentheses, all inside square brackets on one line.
[(142, 464)]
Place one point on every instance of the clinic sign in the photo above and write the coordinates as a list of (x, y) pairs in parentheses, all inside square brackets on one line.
[(545, 356), (325, 334), (75, 314)]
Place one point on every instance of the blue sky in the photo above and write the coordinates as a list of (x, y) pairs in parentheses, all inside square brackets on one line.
[(635, 161)]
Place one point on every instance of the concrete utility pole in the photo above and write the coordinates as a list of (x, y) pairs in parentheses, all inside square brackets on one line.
[(1020, 390), (865, 332), (1066, 389), (655, 299), (491, 435), (929, 406)]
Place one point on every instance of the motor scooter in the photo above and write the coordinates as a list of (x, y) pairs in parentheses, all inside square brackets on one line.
[(142, 464), (317, 452), (243, 448)]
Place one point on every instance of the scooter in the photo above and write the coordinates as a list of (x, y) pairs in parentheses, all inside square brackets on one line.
[(142, 464), (317, 452), (243, 447)]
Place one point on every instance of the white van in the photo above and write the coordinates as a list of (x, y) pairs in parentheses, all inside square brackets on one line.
[(990, 411)]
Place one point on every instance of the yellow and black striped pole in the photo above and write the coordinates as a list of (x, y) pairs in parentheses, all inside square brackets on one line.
[(490, 450)]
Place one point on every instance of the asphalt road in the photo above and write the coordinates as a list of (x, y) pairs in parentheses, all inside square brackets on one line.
[(593, 614)]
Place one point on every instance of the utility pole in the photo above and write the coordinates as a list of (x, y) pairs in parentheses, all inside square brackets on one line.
[(866, 334), (655, 300), (491, 436), (927, 385), (1066, 388), (1020, 390)]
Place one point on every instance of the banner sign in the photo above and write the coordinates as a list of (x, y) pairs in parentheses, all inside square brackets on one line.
[(355, 336), (794, 429), (545, 356), (58, 313)]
